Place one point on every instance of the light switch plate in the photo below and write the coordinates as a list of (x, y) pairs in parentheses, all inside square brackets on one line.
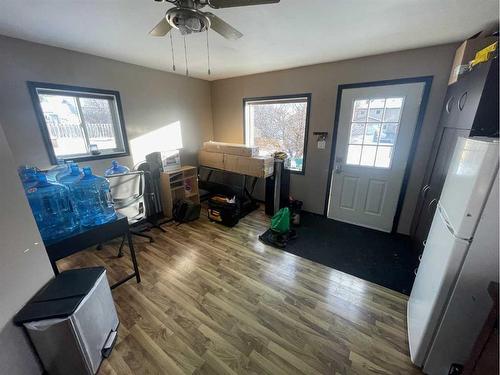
[(321, 145)]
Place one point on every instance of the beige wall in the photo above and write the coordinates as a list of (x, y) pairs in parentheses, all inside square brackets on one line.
[(322, 82), (24, 267), (151, 99)]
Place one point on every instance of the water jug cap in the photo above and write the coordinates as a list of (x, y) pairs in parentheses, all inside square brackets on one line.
[(87, 171), (75, 171), (42, 177)]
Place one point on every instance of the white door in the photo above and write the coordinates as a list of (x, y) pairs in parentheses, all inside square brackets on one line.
[(375, 132)]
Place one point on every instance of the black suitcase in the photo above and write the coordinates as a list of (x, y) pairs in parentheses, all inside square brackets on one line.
[(223, 212)]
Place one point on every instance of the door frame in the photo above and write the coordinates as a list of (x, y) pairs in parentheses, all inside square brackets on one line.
[(427, 80)]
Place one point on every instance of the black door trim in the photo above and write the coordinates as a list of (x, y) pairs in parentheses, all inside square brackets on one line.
[(427, 80)]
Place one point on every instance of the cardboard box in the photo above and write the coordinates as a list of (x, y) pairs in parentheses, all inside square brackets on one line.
[(211, 159), (255, 166), (231, 148), (467, 51)]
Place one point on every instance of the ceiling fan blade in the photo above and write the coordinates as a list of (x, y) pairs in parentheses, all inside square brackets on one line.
[(238, 3), (223, 28), (161, 29)]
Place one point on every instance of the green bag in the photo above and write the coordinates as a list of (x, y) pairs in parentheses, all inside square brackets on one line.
[(280, 222)]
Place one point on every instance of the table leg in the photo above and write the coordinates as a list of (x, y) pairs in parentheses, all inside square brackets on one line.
[(120, 250), (134, 259), (54, 267)]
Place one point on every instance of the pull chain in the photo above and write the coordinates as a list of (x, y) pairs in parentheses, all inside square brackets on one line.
[(186, 57), (172, 48), (208, 55)]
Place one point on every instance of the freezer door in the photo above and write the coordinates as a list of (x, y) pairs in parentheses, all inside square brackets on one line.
[(468, 183), (470, 302), (437, 272)]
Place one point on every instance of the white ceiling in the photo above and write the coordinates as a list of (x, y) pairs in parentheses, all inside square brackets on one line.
[(278, 36)]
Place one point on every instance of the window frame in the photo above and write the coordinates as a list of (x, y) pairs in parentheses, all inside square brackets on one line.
[(278, 98), (81, 92)]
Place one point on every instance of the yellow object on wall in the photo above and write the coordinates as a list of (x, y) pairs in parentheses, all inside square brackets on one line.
[(484, 54)]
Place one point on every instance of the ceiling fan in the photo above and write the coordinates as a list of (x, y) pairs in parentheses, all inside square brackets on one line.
[(187, 17)]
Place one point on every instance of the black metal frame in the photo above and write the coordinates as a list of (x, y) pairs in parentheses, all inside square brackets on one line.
[(87, 238), (308, 97), (244, 192), (81, 92), (427, 80)]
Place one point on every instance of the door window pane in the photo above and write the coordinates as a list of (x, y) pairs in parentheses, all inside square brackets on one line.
[(353, 154), (384, 156), (372, 141), (360, 110), (368, 156), (375, 114), (372, 134), (392, 114), (357, 133), (389, 134), (394, 102)]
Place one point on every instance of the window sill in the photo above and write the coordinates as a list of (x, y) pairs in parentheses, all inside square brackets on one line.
[(97, 157)]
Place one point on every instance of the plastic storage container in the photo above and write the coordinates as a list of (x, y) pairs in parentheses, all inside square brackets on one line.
[(93, 199), (116, 169), (51, 208)]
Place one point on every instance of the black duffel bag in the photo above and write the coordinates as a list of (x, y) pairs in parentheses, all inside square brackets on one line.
[(184, 211)]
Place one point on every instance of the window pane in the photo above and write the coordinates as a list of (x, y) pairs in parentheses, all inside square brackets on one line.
[(279, 126), (368, 156), (357, 133), (63, 124), (99, 122), (80, 123), (372, 133), (389, 134), (353, 154), (384, 156)]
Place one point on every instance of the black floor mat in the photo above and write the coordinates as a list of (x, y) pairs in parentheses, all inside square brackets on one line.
[(379, 257)]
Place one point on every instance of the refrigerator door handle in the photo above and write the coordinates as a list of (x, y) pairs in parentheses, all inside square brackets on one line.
[(446, 221)]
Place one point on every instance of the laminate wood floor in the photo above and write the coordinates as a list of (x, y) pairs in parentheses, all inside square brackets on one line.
[(215, 300)]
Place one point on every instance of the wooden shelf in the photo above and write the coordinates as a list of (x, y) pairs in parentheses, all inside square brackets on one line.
[(173, 187)]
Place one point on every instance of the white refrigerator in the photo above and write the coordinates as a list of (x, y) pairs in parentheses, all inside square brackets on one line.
[(449, 301)]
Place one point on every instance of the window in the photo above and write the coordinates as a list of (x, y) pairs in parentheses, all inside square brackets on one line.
[(279, 124), (374, 130), (79, 123)]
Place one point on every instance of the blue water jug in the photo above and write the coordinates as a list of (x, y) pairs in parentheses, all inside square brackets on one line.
[(28, 176), (61, 169), (73, 176), (93, 199), (116, 169), (51, 208)]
